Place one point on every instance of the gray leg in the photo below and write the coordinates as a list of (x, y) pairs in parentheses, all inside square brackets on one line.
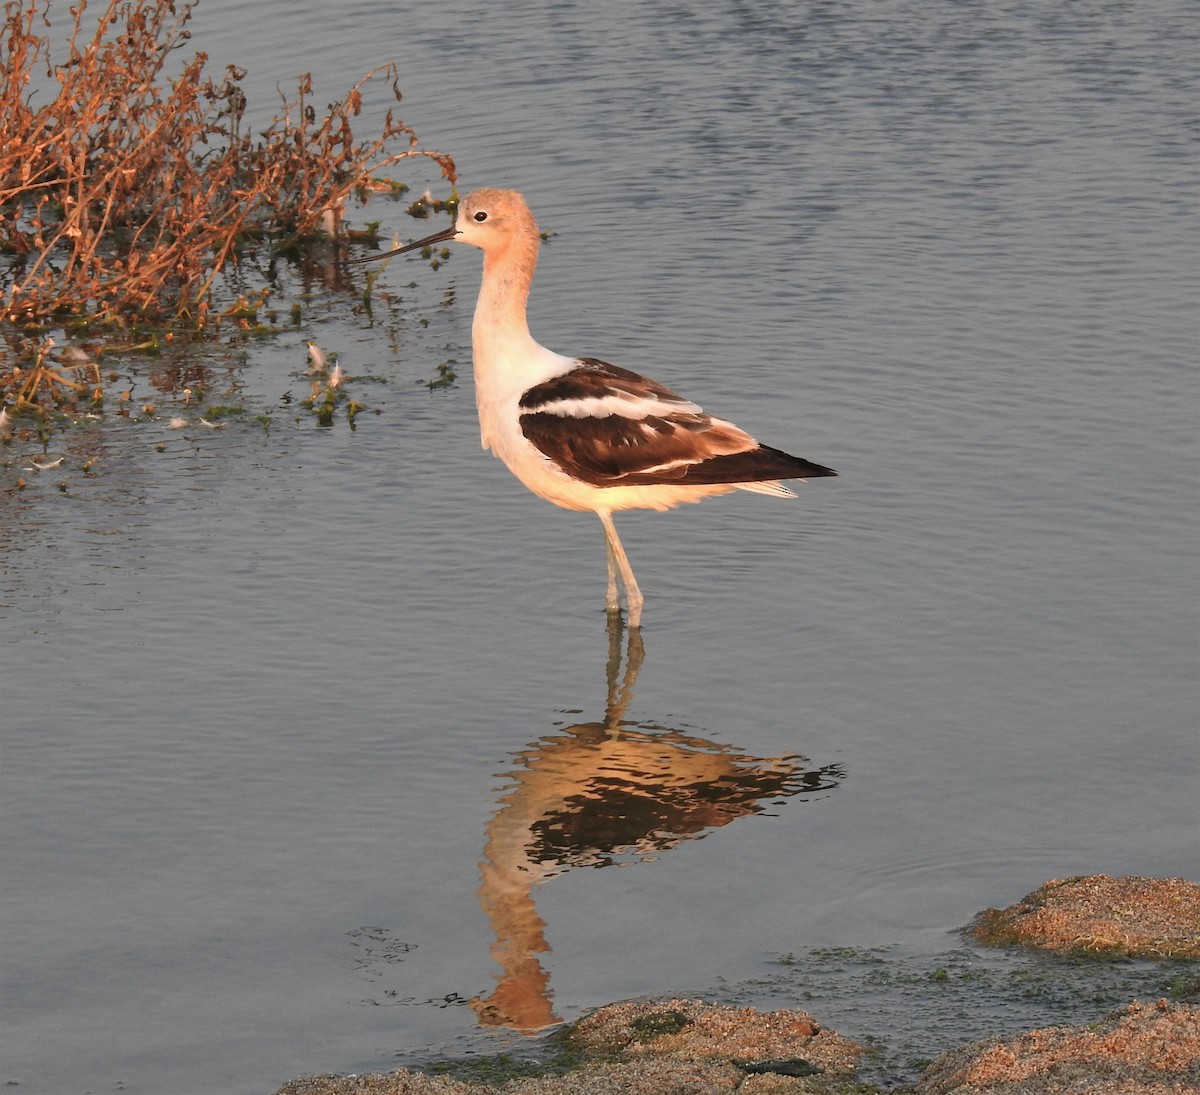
[(616, 554), (613, 603)]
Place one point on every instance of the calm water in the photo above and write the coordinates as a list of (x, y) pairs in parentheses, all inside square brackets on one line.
[(309, 734)]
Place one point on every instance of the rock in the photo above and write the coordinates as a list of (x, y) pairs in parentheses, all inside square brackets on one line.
[(1142, 1049), (1134, 917), (693, 1030)]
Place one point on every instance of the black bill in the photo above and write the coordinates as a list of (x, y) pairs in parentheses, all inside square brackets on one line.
[(437, 237)]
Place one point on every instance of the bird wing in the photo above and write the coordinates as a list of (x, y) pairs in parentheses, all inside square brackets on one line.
[(612, 427)]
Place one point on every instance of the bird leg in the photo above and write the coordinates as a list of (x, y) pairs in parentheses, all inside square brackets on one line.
[(612, 601), (619, 561)]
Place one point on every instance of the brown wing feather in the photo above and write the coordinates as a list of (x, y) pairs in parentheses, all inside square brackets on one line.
[(611, 427)]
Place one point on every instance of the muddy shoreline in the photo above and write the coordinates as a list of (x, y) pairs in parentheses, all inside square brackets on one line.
[(691, 1047)]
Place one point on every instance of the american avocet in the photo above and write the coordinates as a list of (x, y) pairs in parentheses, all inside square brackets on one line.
[(579, 432)]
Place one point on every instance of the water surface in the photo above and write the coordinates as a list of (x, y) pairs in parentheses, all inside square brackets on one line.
[(276, 703)]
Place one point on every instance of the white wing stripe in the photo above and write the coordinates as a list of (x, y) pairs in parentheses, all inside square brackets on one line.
[(622, 404)]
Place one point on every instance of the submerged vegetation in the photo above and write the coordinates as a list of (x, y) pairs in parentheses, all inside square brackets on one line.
[(131, 192)]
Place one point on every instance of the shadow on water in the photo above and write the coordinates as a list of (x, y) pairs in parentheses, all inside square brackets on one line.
[(600, 794)]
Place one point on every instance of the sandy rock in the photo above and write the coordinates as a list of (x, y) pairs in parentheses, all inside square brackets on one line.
[(402, 1082), (1148, 1049), (1138, 917), (677, 1047), (647, 1076), (691, 1030)]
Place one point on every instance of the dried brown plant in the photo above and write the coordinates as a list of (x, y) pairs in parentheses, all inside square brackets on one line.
[(124, 196)]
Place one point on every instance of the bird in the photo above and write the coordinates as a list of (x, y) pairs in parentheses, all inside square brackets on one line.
[(578, 431)]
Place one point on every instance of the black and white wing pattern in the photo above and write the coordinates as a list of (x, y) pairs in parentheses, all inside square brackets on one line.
[(611, 427)]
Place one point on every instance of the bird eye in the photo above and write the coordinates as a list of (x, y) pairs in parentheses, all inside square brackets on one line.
[(481, 216)]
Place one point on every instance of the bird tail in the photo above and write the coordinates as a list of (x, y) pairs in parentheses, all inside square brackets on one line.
[(777, 489)]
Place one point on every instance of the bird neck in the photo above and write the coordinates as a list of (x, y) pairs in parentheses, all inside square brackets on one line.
[(500, 313)]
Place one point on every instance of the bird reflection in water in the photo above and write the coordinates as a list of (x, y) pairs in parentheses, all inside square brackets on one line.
[(606, 793)]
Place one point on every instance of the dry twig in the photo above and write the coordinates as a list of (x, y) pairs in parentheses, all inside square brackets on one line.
[(126, 195)]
